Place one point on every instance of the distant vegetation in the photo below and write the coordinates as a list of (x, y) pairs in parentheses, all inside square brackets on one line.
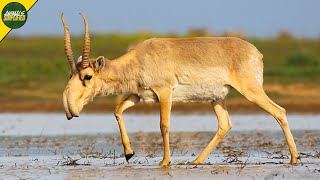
[(35, 63)]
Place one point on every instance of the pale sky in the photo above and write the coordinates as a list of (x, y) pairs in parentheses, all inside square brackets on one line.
[(254, 17)]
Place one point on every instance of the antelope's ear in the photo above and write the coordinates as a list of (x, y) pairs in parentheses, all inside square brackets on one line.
[(99, 63)]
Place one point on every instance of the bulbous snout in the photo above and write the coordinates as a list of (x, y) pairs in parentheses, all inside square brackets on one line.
[(70, 106)]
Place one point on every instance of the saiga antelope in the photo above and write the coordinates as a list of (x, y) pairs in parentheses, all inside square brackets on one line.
[(167, 70)]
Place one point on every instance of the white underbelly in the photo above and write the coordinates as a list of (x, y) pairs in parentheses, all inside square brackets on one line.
[(199, 93), (190, 93)]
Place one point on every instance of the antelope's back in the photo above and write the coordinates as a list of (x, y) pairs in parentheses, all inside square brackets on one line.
[(201, 65)]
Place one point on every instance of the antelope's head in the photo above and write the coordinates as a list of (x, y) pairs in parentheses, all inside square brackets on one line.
[(84, 81)]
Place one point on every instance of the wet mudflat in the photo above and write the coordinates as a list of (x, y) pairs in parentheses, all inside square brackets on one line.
[(78, 154)]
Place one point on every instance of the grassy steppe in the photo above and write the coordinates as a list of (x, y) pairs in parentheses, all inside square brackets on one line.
[(36, 69)]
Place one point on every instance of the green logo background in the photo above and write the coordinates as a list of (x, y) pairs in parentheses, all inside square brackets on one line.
[(18, 22)]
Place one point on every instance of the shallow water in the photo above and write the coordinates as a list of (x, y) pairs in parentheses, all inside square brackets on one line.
[(56, 124), (41, 146)]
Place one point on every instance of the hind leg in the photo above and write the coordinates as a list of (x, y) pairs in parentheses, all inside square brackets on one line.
[(257, 95), (224, 125)]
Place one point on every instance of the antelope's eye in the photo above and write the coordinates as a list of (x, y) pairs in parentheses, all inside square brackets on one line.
[(87, 77)]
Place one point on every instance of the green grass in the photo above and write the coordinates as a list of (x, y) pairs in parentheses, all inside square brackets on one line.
[(40, 63)]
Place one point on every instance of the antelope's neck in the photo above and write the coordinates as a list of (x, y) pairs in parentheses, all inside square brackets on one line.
[(121, 75)]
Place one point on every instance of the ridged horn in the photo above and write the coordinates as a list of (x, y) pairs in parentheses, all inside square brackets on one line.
[(86, 46), (67, 45)]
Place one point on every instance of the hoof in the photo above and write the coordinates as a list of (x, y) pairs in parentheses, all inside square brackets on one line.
[(165, 163), (294, 160), (129, 156), (195, 162)]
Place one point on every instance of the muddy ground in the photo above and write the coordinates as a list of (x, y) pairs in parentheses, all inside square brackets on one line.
[(242, 154)]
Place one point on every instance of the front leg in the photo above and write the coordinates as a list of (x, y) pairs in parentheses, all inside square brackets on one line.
[(165, 99), (130, 101)]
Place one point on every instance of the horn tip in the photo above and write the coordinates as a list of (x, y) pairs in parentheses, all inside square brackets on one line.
[(83, 16), (62, 17)]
